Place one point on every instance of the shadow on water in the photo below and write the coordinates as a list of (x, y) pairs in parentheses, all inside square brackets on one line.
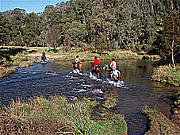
[(133, 92)]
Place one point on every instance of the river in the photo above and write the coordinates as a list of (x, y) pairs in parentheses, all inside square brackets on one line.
[(134, 91)]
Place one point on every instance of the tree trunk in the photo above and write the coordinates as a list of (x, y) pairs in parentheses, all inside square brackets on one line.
[(172, 54)]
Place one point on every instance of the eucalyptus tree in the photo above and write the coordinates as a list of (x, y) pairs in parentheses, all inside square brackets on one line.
[(171, 36), (17, 24), (53, 36), (33, 26), (4, 30)]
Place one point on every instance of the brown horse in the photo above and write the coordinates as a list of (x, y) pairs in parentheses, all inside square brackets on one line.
[(78, 66), (97, 71)]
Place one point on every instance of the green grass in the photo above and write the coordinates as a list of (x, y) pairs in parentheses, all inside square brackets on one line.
[(14, 57), (167, 74), (159, 124), (57, 115), (6, 71)]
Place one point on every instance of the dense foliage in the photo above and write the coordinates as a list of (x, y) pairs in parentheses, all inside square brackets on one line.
[(102, 24)]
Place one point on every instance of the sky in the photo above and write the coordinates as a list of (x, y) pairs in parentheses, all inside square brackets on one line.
[(30, 6)]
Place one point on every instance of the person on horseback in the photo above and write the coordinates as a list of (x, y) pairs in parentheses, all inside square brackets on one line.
[(77, 61), (95, 68), (43, 57), (113, 71), (95, 63), (113, 64)]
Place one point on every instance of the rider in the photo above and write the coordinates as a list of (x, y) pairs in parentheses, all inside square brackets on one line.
[(43, 57), (77, 60), (95, 63), (113, 64)]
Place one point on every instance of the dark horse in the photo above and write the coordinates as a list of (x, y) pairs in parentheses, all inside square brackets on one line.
[(78, 66), (43, 57), (97, 70)]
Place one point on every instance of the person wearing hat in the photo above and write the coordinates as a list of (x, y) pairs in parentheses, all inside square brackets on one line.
[(96, 62)]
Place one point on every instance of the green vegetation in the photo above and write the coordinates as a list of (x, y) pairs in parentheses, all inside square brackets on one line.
[(11, 58), (159, 124), (140, 26), (57, 116), (6, 71), (167, 74)]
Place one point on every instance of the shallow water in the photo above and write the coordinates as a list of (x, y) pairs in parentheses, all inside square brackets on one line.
[(134, 91)]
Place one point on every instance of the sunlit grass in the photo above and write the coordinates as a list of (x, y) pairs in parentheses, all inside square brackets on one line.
[(6, 71), (167, 74), (73, 118)]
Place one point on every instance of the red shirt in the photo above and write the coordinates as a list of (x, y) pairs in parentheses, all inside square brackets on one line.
[(96, 62)]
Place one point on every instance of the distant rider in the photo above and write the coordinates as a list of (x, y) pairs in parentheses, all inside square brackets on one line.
[(43, 57)]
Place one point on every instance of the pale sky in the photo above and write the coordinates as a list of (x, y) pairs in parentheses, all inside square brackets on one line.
[(30, 6)]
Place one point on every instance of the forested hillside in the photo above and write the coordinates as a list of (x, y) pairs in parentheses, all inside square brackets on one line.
[(150, 26)]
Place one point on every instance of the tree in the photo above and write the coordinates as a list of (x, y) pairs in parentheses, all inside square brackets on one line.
[(17, 24), (171, 34), (4, 30), (32, 29), (53, 36)]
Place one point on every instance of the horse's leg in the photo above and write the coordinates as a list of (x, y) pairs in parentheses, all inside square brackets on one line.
[(81, 68), (115, 78)]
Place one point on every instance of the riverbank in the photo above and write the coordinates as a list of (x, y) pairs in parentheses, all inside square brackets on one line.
[(167, 75), (85, 55), (160, 124), (58, 116), (13, 57)]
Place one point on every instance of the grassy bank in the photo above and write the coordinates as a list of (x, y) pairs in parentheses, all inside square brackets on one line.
[(167, 74), (26, 56), (57, 116), (89, 53), (159, 124), (11, 58)]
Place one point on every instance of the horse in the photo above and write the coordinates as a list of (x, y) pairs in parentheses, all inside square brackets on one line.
[(78, 66), (97, 70), (115, 74), (43, 57)]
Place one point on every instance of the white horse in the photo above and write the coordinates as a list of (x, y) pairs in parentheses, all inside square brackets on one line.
[(115, 74)]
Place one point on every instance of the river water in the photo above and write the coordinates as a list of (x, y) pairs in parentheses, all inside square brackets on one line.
[(134, 91)]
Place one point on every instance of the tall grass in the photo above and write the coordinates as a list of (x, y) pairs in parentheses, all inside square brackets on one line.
[(167, 74), (159, 124), (57, 116)]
